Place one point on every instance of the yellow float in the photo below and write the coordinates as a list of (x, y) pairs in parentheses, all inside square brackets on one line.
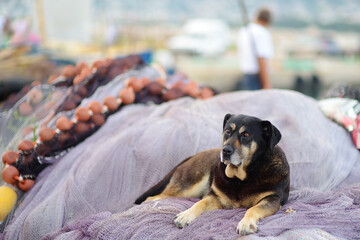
[(7, 201)]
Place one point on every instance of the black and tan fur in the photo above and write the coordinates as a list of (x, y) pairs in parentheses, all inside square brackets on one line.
[(249, 171)]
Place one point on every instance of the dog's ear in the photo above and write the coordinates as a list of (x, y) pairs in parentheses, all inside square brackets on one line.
[(271, 134), (226, 118)]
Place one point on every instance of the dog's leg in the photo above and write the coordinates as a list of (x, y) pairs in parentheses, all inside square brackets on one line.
[(266, 207), (209, 202), (156, 197), (196, 189)]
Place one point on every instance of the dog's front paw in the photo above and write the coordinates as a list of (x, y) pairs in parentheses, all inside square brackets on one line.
[(184, 218), (246, 226)]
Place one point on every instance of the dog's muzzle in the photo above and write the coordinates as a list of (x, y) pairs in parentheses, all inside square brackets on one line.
[(225, 154)]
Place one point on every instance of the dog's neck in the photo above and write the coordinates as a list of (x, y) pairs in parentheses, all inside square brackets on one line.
[(242, 171), (232, 171)]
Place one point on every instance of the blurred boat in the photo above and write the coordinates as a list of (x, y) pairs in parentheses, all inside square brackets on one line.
[(206, 37)]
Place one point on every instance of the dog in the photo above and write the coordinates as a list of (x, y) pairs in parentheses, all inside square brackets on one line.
[(249, 171)]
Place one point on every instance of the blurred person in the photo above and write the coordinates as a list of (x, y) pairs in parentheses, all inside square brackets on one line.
[(5, 31), (21, 29), (22, 34), (255, 49)]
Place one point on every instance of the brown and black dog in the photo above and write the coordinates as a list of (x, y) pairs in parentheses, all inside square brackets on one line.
[(250, 171)]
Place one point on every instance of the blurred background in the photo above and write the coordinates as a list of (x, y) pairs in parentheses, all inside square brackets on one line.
[(317, 42)]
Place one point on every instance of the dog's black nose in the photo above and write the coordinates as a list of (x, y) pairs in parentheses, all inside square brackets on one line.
[(227, 150)]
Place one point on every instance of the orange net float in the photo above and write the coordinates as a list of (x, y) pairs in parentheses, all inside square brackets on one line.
[(63, 123), (25, 184), (25, 109), (155, 88), (69, 71), (145, 81), (179, 85), (63, 137), (192, 89), (46, 134), (97, 64), (25, 145), (95, 107), (81, 127), (98, 119), (9, 157), (35, 96), (206, 93), (85, 72), (76, 98), (82, 114), (135, 83), (82, 91), (127, 95), (172, 94), (111, 103), (9, 174), (69, 105), (80, 66), (78, 79)]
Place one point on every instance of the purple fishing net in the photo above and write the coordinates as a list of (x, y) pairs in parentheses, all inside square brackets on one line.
[(322, 215), (86, 193)]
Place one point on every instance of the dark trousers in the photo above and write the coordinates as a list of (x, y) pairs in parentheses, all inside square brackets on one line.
[(251, 82)]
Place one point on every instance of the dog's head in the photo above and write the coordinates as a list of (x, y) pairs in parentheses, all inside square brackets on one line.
[(245, 138)]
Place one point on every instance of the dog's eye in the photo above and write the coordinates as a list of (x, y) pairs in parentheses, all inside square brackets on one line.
[(245, 134), (227, 132)]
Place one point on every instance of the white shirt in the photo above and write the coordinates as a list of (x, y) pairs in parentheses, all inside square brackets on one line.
[(250, 47)]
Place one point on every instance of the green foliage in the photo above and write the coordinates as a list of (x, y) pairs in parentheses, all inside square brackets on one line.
[(34, 133)]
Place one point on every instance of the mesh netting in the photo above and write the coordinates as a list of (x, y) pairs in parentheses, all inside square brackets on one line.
[(38, 108), (28, 114), (343, 91), (313, 215), (138, 145)]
